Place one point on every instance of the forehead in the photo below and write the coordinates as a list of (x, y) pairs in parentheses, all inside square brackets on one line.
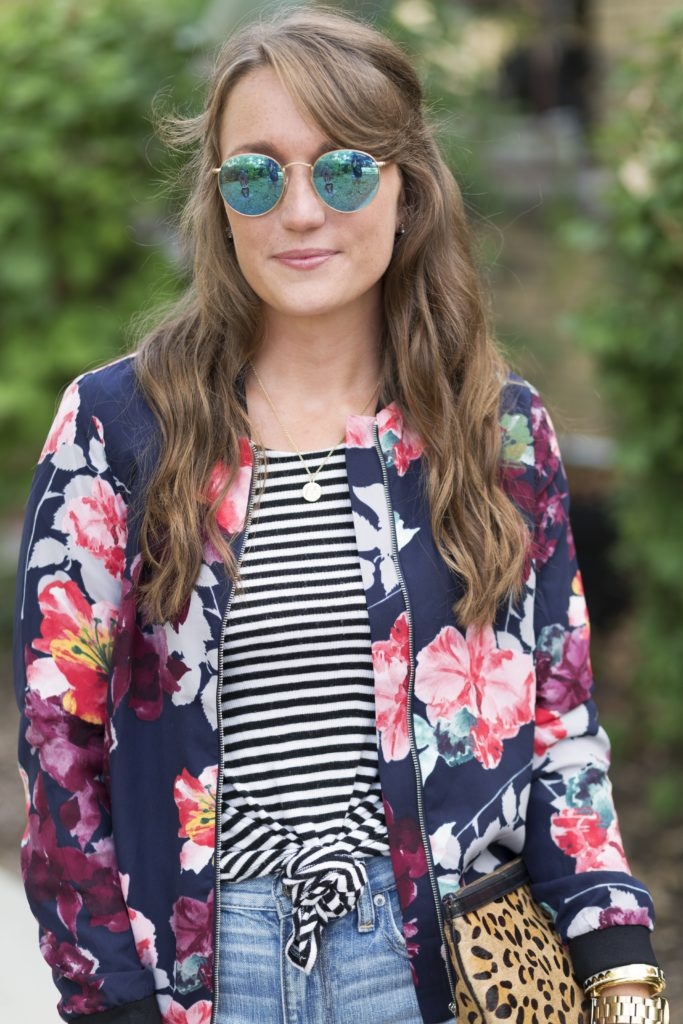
[(260, 111)]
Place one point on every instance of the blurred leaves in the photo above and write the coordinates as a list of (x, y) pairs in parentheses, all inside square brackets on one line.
[(635, 329), (458, 51), (81, 215)]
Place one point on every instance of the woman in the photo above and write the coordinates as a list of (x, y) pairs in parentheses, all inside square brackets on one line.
[(305, 558)]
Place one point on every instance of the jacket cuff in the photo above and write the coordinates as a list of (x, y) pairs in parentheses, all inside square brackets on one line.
[(610, 947), (144, 1011)]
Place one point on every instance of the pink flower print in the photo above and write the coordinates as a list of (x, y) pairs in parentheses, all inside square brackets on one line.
[(145, 937), (408, 858), (359, 431), (79, 637), (80, 967), (70, 752), (144, 670), (232, 510), (174, 1013), (404, 453), (551, 517), (391, 662), (154, 672), (546, 448), (68, 876), (192, 924), (563, 667), (582, 834), (196, 802), (399, 443), (517, 486), (390, 420), (96, 522), (143, 930), (410, 931), (615, 916), (549, 729), (63, 429), (471, 673)]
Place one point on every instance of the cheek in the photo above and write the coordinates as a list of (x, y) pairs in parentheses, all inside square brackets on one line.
[(379, 246), (247, 267), (247, 246)]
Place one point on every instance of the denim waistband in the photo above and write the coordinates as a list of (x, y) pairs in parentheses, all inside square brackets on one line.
[(267, 893)]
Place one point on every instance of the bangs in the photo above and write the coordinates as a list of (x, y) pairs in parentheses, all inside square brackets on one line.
[(350, 82)]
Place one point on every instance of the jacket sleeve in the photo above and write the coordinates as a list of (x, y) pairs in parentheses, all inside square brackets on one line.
[(573, 848), (68, 596)]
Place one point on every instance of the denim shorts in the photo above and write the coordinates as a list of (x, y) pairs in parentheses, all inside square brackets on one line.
[(361, 976)]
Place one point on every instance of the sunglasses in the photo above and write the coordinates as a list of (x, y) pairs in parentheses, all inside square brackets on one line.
[(252, 184)]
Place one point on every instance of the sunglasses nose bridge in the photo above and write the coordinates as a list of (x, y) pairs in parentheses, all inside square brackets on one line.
[(297, 163)]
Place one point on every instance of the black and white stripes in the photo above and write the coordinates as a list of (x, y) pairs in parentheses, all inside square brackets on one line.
[(298, 703)]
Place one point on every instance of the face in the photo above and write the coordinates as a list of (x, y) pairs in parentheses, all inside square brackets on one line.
[(302, 258)]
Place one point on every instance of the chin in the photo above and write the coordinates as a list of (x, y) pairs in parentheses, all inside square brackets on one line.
[(309, 308)]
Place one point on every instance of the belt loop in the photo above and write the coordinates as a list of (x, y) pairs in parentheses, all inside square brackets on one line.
[(283, 903), (365, 909)]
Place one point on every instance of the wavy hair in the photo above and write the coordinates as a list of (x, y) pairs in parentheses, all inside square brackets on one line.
[(439, 362)]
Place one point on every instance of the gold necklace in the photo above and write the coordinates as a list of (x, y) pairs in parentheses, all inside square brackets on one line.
[(311, 491)]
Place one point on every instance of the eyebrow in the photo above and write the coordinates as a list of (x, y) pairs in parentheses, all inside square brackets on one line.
[(268, 149)]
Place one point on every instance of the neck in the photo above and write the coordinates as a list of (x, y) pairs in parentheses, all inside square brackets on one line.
[(330, 358), (315, 376)]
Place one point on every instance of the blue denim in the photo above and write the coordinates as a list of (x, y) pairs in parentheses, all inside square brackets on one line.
[(361, 976)]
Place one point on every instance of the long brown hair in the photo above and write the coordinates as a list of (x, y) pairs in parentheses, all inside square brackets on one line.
[(440, 364)]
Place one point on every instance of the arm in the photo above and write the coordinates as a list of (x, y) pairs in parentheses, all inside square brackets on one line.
[(68, 593), (573, 849)]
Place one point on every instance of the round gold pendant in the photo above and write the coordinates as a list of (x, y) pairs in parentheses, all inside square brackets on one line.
[(312, 491)]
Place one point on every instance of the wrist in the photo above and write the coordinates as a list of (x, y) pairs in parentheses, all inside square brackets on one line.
[(629, 990)]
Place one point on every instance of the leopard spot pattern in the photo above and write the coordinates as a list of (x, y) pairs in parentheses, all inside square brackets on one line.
[(511, 966)]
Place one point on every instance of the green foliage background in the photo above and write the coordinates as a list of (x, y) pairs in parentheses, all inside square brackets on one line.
[(635, 329), (81, 217)]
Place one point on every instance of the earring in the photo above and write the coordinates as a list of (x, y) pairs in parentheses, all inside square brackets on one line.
[(228, 232), (400, 231)]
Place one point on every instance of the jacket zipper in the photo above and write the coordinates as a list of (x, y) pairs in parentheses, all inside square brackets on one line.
[(409, 711), (221, 753)]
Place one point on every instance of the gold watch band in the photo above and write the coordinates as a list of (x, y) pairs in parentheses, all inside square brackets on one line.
[(642, 974), (629, 1010)]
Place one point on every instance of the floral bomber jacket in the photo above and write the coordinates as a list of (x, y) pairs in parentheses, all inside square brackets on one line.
[(489, 742)]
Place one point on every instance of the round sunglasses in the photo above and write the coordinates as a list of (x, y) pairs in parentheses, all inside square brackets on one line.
[(252, 184)]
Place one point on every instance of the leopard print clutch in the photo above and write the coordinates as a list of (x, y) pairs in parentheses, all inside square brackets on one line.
[(509, 962)]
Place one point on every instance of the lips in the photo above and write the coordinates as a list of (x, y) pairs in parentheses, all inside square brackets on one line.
[(304, 259)]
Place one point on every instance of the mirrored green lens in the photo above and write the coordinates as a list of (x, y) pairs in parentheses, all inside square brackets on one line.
[(346, 179), (251, 183)]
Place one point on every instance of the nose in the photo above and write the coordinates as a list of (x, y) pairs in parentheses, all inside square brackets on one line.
[(300, 207)]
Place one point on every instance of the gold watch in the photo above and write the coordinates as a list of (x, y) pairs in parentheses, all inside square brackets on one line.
[(607, 1009)]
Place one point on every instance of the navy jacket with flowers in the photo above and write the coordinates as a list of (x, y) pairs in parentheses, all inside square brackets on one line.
[(489, 742)]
